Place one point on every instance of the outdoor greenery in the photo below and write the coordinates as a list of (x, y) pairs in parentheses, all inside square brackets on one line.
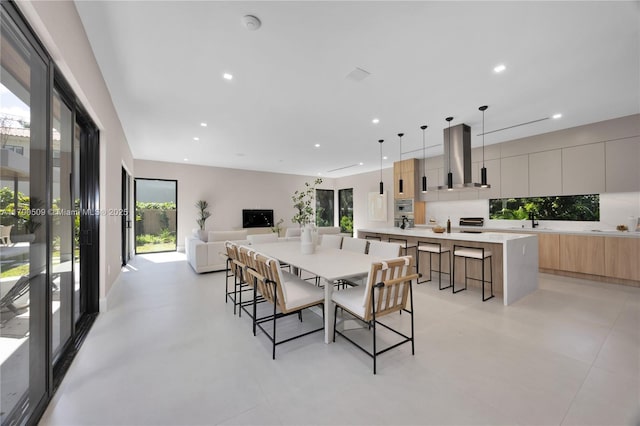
[(165, 240), (324, 207), (345, 210), (568, 207)]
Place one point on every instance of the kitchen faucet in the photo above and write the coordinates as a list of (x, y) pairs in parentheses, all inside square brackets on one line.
[(532, 217), (404, 222)]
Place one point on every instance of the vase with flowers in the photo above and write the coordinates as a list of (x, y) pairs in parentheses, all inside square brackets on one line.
[(303, 202)]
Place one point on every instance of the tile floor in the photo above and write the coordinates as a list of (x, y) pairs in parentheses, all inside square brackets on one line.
[(171, 352)]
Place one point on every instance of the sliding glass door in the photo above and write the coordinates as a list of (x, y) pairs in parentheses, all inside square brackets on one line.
[(23, 254)]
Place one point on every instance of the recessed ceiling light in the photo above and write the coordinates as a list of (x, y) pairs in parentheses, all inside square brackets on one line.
[(362, 164), (227, 76), (317, 145), (375, 121), (186, 159), (556, 116), (499, 68), (384, 158), (196, 138), (203, 124)]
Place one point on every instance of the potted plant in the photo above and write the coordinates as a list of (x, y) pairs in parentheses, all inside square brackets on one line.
[(303, 202), (203, 215)]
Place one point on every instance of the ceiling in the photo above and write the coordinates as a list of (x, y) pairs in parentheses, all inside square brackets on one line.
[(164, 61)]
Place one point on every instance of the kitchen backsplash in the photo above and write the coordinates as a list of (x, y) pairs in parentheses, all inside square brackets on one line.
[(615, 209)]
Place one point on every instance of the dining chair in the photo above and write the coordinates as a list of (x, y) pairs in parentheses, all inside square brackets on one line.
[(388, 290), (5, 234), (288, 293), (331, 241), (234, 269), (354, 244), (383, 249)]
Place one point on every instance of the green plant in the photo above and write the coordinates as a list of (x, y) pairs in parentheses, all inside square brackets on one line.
[(346, 224), (277, 228), (303, 202), (204, 214)]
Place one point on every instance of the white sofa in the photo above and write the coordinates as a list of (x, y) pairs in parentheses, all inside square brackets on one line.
[(210, 256)]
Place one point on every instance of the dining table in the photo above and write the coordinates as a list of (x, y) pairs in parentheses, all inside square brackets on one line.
[(330, 264)]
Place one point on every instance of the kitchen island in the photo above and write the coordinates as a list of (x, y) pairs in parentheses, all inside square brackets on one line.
[(515, 256)]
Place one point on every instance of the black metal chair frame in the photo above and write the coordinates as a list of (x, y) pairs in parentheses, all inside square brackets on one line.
[(372, 325), (466, 277), (257, 322), (439, 270), (373, 237), (406, 246)]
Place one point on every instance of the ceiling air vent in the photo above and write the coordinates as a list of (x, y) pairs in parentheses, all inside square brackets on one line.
[(358, 74)]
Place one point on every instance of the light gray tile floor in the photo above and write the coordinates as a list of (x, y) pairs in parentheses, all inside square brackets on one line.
[(171, 352)]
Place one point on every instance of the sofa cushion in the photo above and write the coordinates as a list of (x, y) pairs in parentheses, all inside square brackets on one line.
[(227, 235)]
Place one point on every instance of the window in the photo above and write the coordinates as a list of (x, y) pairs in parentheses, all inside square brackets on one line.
[(568, 207), (345, 210), (324, 207)]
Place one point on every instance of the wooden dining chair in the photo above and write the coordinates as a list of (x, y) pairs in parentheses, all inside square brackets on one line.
[(288, 293), (388, 290)]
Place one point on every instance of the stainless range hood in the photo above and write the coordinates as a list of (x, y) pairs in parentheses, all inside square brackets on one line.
[(457, 158)]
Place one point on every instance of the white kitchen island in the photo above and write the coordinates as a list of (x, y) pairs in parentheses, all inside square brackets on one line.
[(515, 268)]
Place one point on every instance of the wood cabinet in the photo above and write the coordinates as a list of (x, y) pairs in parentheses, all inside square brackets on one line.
[(583, 254), (622, 257), (549, 251), (406, 170)]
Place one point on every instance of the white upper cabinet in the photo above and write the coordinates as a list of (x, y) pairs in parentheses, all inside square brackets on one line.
[(545, 173), (514, 176), (623, 165), (583, 169)]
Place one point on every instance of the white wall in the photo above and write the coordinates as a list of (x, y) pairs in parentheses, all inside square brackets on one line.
[(59, 28), (228, 191)]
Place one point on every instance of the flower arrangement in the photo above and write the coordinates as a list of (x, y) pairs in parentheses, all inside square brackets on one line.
[(303, 202)]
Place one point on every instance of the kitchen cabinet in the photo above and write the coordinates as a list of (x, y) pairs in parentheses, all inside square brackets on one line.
[(584, 254), (514, 176), (623, 165), (407, 171), (549, 251), (545, 173), (621, 257), (583, 169)]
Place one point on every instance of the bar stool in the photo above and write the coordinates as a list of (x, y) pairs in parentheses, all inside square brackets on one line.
[(476, 253), (434, 248), (405, 245), (373, 237)]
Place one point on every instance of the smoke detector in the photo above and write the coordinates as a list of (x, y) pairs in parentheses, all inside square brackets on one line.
[(251, 22)]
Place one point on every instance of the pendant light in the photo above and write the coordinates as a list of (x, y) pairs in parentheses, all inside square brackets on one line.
[(381, 184), (450, 175), (424, 161), (483, 171), (400, 182)]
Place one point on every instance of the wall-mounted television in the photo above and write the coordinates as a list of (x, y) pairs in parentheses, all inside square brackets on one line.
[(257, 218)]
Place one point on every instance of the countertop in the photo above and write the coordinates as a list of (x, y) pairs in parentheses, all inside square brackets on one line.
[(484, 237), (543, 230)]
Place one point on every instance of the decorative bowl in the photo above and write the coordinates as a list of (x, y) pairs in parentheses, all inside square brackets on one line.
[(438, 229), (622, 228)]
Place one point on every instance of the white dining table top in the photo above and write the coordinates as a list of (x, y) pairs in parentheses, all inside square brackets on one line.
[(328, 263)]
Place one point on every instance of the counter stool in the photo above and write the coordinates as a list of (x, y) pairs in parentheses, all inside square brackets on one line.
[(405, 246), (434, 248), (373, 237), (476, 253)]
